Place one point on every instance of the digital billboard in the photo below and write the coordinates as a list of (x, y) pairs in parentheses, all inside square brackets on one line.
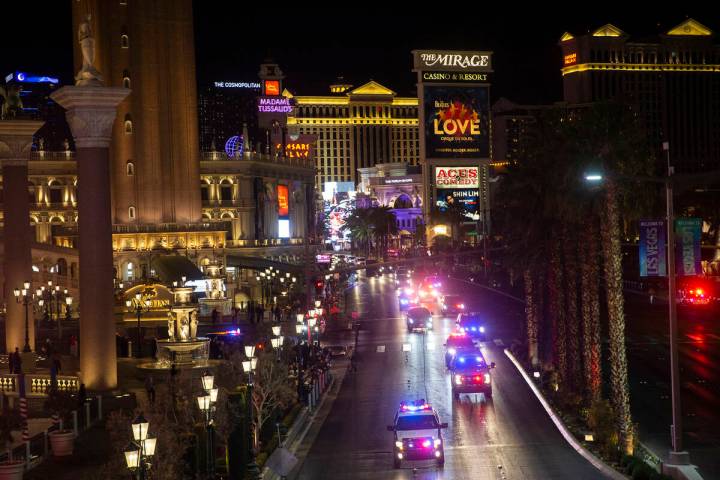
[(456, 121), (283, 201), (458, 186)]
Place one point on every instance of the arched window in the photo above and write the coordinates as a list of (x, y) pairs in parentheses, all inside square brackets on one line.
[(131, 213), (130, 169), (128, 124), (126, 79), (124, 41)]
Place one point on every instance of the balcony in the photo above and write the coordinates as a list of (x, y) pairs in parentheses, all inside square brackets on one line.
[(258, 157)]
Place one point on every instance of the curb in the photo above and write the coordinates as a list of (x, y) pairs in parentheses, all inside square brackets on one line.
[(608, 471), (302, 425)]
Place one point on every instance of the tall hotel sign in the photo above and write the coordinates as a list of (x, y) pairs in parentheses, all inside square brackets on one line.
[(454, 109)]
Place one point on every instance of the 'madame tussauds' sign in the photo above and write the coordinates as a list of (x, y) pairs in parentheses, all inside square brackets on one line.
[(452, 61)]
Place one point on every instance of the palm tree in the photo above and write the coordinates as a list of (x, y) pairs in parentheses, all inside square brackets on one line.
[(570, 254), (359, 225), (589, 285), (384, 224), (611, 133)]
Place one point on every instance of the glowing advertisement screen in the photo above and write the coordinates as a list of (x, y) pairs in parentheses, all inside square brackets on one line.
[(283, 201), (283, 228), (456, 122)]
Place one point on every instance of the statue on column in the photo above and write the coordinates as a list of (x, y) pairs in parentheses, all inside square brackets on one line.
[(184, 328), (193, 324), (171, 326), (88, 74)]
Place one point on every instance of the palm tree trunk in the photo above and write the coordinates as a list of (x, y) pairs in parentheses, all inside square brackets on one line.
[(573, 322), (620, 392), (531, 315), (557, 311), (591, 314)]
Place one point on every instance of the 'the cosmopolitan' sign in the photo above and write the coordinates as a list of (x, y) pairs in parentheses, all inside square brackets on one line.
[(452, 61)]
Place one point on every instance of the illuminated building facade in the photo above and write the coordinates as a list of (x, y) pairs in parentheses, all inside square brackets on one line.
[(674, 79), (357, 128), (224, 109), (398, 186)]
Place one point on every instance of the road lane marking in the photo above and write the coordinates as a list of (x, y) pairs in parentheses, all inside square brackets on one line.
[(380, 349)]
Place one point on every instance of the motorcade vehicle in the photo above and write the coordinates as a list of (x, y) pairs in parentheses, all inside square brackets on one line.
[(472, 324), (457, 343), (406, 298), (417, 434), (452, 304), (418, 318), (470, 373)]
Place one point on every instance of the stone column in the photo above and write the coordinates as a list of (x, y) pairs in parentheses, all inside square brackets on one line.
[(15, 144), (91, 111)]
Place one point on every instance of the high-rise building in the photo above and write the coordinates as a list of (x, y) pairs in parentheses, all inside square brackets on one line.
[(149, 48), (357, 128), (35, 93), (226, 108), (672, 78)]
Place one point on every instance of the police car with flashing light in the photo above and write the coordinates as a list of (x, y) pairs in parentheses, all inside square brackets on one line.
[(470, 373), (472, 324), (457, 343), (417, 433), (406, 298)]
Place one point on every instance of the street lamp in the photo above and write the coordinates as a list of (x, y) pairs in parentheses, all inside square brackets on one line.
[(141, 449), (206, 404), (25, 298), (249, 366), (138, 306)]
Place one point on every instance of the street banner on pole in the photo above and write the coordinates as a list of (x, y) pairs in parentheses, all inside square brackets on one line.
[(687, 240), (652, 248)]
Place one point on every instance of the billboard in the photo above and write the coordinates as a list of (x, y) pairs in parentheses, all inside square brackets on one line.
[(283, 201), (687, 245), (452, 61), (457, 177), (456, 121), (272, 88), (652, 248)]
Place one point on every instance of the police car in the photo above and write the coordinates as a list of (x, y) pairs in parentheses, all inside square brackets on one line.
[(457, 343), (472, 324), (418, 318), (418, 434), (469, 373)]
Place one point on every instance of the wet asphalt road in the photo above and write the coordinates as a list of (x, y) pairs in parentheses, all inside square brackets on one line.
[(509, 437)]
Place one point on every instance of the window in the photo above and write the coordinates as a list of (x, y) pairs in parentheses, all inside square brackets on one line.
[(129, 272), (56, 192), (126, 79), (131, 213), (128, 124), (226, 191), (124, 41), (130, 169), (204, 193)]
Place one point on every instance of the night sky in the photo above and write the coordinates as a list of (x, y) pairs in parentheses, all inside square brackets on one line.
[(358, 41)]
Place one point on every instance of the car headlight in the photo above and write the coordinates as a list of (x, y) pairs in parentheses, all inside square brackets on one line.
[(482, 329), (437, 442), (399, 445), (452, 351), (410, 320)]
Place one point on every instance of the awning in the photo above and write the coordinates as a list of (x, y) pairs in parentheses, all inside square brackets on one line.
[(172, 268)]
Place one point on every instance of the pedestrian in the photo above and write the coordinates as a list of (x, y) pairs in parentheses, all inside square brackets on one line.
[(48, 347), (18, 361), (11, 362), (150, 388), (651, 292), (214, 316), (56, 362), (82, 396), (73, 346)]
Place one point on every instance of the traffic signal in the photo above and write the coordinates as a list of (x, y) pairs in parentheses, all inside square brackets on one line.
[(319, 285)]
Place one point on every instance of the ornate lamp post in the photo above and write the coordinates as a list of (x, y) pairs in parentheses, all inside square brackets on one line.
[(206, 403), (139, 452), (24, 297), (138, 306), (278, 341), (249, 366)]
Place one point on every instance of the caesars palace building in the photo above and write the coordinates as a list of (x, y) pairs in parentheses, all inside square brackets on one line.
[(238, 208)]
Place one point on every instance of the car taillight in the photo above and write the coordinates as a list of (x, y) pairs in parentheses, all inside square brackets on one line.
[(477, 379)]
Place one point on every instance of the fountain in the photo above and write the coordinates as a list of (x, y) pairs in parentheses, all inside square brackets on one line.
[(182, 347), (214, 292)]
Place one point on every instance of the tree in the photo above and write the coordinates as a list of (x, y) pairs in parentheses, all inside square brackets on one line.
[(271, 390), (384, 225), (360, 226), (589, 286)]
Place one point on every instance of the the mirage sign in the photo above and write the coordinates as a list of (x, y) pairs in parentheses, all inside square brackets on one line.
[(456, 122), (452, 61)]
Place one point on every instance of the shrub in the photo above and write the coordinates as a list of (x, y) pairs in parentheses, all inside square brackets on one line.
[(642, 471), (601, 420)]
